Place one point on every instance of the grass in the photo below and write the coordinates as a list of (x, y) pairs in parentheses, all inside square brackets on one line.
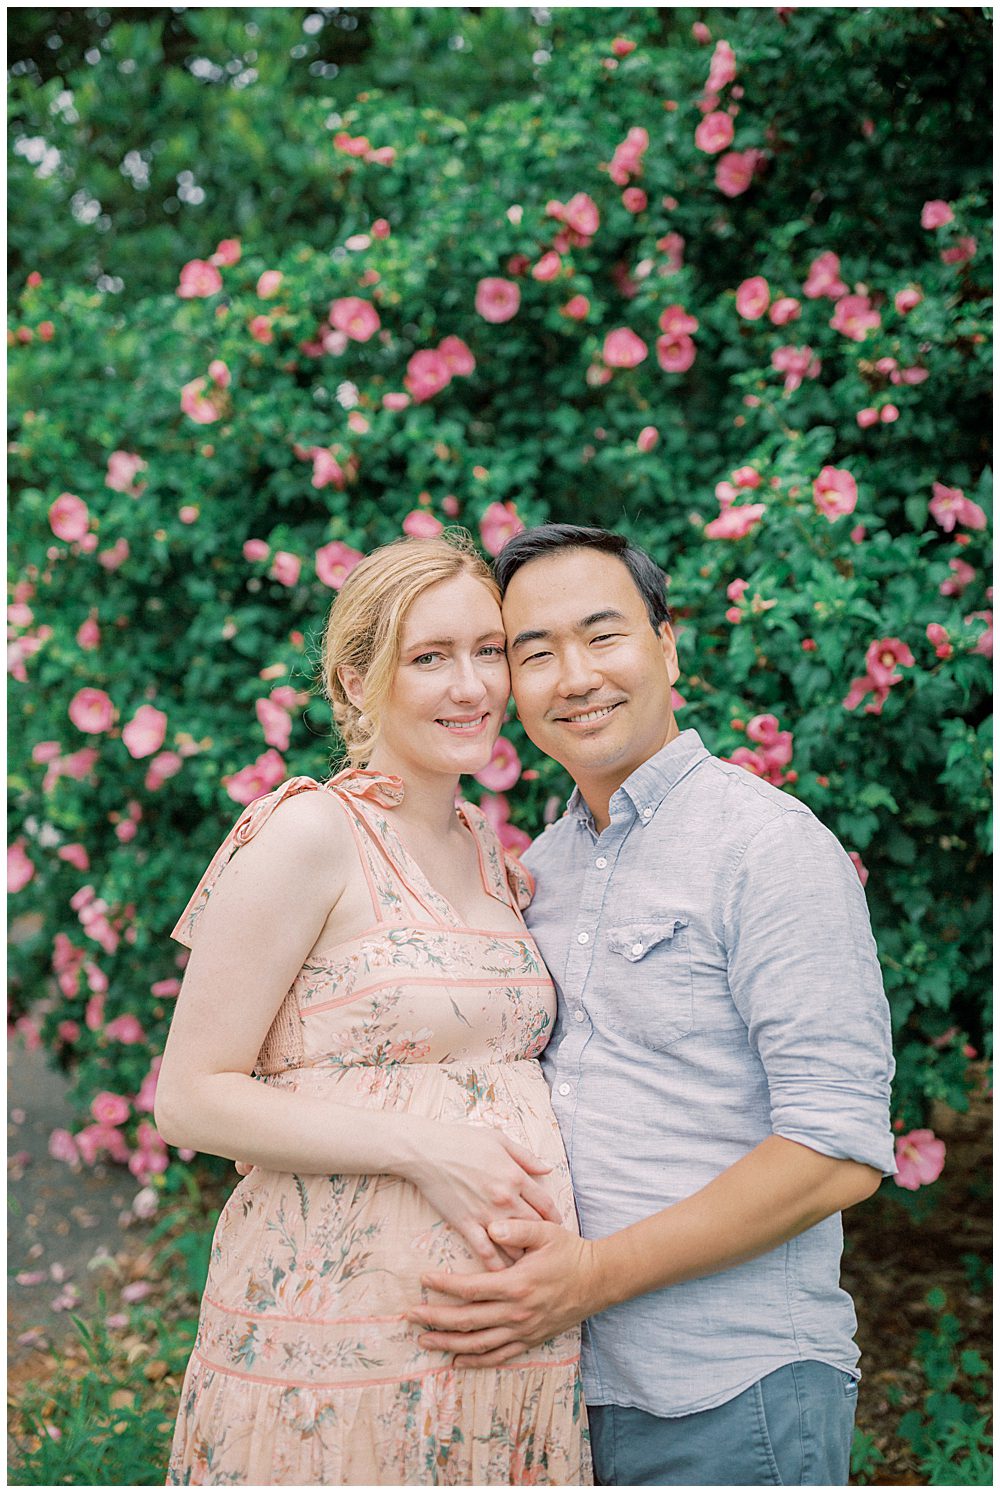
[(103, 1413), (109, 1419)]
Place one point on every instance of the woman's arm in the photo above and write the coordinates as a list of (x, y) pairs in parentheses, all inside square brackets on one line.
[(264, 917)]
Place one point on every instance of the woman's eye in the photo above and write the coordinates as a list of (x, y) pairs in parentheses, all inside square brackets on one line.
[(494, 650), (426, 658)]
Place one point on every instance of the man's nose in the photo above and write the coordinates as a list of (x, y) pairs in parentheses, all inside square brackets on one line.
[(578, 674)]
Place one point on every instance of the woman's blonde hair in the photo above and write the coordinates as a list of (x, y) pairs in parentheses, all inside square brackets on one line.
[(365, 626)]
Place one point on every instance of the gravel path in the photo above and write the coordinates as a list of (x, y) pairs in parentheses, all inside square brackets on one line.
[(59, 1221)]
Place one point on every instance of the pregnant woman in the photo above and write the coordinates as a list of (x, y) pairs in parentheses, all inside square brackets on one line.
[(360, 1023)]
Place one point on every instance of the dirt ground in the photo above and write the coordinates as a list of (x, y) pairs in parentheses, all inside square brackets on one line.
[(891, 1263), (67, 1244)]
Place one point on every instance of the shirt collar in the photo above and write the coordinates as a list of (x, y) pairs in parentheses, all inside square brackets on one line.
[(647, 787)]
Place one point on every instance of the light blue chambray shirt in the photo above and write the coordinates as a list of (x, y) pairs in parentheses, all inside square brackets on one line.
[(717, 982)]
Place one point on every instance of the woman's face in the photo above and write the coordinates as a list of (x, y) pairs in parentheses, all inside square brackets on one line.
[(448, 698)]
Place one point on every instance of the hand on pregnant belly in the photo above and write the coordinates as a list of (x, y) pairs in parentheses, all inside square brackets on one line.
[(474, 1176)]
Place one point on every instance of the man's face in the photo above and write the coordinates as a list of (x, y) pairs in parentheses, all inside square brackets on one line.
[(591, 679)]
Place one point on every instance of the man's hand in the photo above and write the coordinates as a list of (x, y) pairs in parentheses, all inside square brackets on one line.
[(500, 1315)]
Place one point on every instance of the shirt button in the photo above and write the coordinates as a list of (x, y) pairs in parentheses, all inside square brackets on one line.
[(647, 813), (637, 948), (583, 938), (578, 1015), (601, 862), (564, 1088)]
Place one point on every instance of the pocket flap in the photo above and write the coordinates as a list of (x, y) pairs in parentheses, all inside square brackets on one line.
[(634, 940)]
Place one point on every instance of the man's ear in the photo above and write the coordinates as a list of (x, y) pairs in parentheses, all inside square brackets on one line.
[(353, 685), (668, 643)]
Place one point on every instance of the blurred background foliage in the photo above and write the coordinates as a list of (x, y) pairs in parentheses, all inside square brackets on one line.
[(222, 449)]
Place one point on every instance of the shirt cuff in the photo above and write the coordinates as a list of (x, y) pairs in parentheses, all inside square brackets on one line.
[(854, 1126)]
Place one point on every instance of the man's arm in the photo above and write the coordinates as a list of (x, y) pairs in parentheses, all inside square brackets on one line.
[(803, 974), (775, 1192)]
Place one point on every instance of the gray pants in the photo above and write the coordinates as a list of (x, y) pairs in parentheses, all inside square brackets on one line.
[(793, 1427)]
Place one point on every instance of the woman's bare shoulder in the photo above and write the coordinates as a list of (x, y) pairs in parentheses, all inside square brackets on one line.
[(311, 823)]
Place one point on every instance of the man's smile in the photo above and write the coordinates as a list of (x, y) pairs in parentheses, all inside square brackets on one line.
[(589, 717)]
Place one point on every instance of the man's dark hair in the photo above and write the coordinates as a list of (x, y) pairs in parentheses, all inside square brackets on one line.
[(548, 539)]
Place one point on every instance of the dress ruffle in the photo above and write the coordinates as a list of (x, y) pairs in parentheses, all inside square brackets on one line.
[(451, 1428)]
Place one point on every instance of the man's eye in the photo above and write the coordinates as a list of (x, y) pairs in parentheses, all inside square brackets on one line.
[(605, 637), (534, 658)]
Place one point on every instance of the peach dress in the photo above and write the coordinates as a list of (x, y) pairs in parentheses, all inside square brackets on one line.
[(304, 1370)]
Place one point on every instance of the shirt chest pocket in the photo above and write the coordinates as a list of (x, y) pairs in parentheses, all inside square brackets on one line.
[(650, 991)]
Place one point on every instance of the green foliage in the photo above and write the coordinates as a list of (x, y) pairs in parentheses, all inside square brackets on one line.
[(109, 1426), (865, 1458), (948, 1433), (858, 118)]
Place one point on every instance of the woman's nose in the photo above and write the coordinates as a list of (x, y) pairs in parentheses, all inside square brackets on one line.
[(467, 683)]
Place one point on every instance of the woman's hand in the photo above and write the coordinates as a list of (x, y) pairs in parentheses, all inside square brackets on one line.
[(474, 1176)]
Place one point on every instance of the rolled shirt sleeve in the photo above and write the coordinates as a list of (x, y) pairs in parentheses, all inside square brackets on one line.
[(804, 975)]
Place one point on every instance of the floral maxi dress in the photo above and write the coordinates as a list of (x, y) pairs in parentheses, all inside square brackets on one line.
[(304, 1370)]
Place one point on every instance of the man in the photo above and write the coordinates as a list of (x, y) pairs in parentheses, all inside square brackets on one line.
[(720, 1066)]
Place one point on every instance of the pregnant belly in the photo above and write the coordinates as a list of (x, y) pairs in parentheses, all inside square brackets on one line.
[(316, 1272)]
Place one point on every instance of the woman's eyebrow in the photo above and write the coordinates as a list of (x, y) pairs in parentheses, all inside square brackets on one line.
[(421, 645)]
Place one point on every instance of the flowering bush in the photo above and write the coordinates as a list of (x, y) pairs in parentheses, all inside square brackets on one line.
[(662, 293)]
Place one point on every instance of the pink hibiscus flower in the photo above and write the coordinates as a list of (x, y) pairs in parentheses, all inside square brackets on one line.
[(20, 868), (675, 354), (835, 492), (91, 711), (69, 517), (503, 769), (824, 278), (752, 297), (497, 300), (427, 373), (949, 506), (796, 363), (256, 778), (735, 523), (734, 171), (285, 568), (275, 722), (883, 658), (110, 1109), (457, 355), (623, 349), (145, 732), (198, 278), (500, 522), (123, 469), (581, 214), (714, 133), (334, 563), (722, 68), (855, 317), (198, 406), (935, 214), (420, 524), (785, 309), (126, 1029), (919, 1159), (356, 318)]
